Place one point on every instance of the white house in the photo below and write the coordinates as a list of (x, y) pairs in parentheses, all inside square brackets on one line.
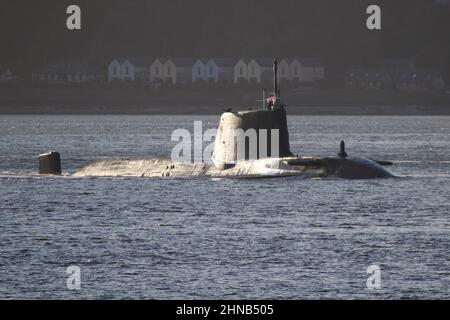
[(420, 80), (66, 72), (136, 69), (199, 70), (8, 77), (219, 70), (157, 71), (240, 71), (260, 70), (284, 70), (368, 79), (305, 69), (129, 69), (114, 70), (213, 70), (178, 70)]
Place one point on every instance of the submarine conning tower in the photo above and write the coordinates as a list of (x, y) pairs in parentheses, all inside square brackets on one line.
[(253, 134)]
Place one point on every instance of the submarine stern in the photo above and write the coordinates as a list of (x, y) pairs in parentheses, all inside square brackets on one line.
[(354, 168)]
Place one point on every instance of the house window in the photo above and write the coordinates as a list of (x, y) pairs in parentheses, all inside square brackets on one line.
[(199, 71), (210, 70), (253, 70), (295, 70), (114, 70), (241, 71), (156, 70), (169, 70), (126, 70)]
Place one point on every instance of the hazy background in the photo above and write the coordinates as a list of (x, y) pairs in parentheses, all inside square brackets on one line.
[(33, 33)]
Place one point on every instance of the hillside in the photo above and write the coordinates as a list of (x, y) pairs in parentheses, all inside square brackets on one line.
[(33, 32)]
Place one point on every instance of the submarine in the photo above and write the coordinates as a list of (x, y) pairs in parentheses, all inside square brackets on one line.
[(236, 158)]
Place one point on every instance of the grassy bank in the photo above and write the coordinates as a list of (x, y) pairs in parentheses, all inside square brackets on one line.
[(211, 100)]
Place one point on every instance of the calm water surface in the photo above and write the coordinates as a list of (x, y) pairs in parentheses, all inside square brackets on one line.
[(223, 239)]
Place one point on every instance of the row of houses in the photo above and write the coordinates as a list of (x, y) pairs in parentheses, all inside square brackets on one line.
[(391, 74), (395, 74), (213, 70), (414, 80)]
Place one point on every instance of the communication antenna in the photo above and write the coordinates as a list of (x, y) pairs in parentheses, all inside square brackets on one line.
[(264, 99), (275, 73)]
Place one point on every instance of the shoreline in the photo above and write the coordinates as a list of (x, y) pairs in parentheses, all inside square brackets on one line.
[(210, 100), (294, 111)]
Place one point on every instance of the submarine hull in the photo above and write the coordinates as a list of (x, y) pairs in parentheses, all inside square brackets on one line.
[(302, 167), (165, 168)]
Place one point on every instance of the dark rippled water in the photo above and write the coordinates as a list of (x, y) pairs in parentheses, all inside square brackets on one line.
[(268, 238)]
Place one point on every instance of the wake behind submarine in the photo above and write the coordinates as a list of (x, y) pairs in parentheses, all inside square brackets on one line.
[(226, 162)]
